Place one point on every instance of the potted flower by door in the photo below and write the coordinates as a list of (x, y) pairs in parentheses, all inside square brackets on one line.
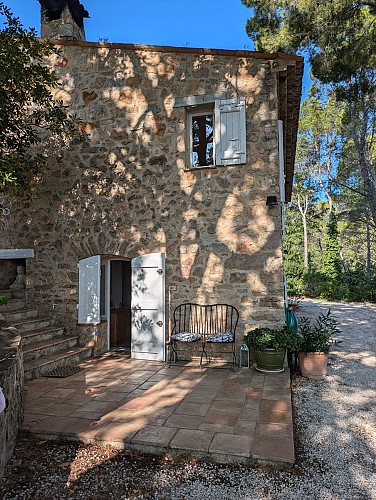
[(269, 346), (315, 343)]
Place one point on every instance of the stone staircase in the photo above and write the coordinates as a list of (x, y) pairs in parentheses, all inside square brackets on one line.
[(44, 345)]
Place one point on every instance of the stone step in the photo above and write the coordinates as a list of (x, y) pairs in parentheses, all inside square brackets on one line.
[(6, 293), (13, 294), (27, 325), (12, 305), (46, 347), (41, 334), (18, 314), (37, 367), (18, 294)]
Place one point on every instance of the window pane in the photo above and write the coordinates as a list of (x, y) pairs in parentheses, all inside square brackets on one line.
[(202, 140)]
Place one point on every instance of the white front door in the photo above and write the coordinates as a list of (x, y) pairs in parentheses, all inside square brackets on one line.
[(89, 278), (148, 307)]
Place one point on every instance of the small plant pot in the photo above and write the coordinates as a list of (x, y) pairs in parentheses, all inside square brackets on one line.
[(313, 364), (270, 360)]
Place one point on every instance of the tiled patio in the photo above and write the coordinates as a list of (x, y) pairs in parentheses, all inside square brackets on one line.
[(214, 413)]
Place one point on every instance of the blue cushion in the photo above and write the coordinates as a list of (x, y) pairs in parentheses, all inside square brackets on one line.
[(186, 337), (221, 337)]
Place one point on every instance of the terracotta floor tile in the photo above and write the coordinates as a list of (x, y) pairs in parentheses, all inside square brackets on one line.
[(160, 377), (155, 388), (60, 409), (250, 413), (227, 429), (119, 431), (230, 444), (161, 411), (125, 387), (156, 435), (78, 398), (280, 449), (268, 430), (272, 404), (274, 416), (116, 399), (96, 405), (136, 403), (256, 384), (277, 395), (192, 409), (233, 395), (213, 417), (60, 393), (170, 371), (254, 394), (31, 419), (228, 407), (272, 384), (246, 427), (194, 397), (184, 421), (166, 402), (205, 389), (194, 440), (84, 428), (52, 425), (36, 404), (31, 394)]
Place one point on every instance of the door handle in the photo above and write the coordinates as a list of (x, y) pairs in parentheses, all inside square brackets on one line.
[(160, 323)]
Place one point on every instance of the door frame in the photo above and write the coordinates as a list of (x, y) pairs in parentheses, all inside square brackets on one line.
[(108, 293)]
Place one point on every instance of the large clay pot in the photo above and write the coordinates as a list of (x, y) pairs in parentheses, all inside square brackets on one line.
[(269, 360), (313, 364)]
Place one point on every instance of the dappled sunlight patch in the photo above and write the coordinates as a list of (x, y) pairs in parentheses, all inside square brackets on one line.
[(226, 225), (213, 274), (168, 104)]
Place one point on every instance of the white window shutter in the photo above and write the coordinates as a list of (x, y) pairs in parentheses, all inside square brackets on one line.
[(230, 131)]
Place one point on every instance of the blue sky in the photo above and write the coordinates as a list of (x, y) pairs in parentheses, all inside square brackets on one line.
[(181, 23)]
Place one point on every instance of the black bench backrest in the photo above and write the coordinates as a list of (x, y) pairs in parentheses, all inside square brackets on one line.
[(205, 319)]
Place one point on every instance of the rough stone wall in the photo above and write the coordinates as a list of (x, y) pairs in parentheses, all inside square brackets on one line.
[(125, 191), (63, 28), (12, 383)]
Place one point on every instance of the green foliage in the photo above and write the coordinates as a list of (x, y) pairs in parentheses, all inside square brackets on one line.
[(317, 336), (340, 39), (29, 117), (340, 36), (331, 264), (269, 338), (3, 300)]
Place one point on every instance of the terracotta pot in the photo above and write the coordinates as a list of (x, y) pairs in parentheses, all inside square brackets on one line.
[(269, 360), (313, 364)]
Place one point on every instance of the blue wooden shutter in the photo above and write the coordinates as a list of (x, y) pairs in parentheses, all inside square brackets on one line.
[(89, 272), (230, 132)]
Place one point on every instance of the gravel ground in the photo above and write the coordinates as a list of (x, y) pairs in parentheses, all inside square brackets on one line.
[(335, 423)]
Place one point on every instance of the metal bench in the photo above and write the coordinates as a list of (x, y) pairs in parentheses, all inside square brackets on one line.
[(204, 326)]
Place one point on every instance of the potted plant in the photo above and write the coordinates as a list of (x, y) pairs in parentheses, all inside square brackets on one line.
[(315, 341), (269, 346)]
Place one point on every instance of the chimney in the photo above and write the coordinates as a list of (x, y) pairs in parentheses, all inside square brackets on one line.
[(63, 19)]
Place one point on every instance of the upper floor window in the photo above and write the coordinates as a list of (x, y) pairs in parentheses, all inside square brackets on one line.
[(217, 133), (201, 127)]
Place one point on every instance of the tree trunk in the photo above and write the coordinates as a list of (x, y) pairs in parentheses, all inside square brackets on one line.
[(368, 262), (303, 208)]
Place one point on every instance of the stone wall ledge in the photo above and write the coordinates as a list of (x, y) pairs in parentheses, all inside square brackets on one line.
[(12, 384)]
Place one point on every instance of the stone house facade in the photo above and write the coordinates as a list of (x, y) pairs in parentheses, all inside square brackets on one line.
[(184, 148)]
